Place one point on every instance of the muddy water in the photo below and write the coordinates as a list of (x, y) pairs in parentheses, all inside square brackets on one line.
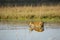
[(9, 31)]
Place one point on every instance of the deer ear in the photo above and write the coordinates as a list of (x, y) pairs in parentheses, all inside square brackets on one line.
[(31, 22), (41, 23)]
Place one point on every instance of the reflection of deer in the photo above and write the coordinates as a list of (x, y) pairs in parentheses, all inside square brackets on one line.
[(37, 26)]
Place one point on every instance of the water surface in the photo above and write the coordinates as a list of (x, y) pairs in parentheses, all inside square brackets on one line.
[(9, 31)]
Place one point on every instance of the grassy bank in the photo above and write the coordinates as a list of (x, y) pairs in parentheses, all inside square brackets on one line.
[(29, 13)]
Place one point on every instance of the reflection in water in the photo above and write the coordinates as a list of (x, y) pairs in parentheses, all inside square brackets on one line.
[(21, 32)]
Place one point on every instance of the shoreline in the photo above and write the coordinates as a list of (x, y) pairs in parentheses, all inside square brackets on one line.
[(27, 21)]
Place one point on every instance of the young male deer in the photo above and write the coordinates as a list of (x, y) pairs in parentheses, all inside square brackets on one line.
[(37, 26)]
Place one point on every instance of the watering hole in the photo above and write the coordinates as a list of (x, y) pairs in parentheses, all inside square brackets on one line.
[(9, 31)]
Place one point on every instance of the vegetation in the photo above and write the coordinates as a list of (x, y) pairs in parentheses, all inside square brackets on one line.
[(29, 13)]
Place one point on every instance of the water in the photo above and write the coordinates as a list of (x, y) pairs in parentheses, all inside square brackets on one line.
[(21, 32)]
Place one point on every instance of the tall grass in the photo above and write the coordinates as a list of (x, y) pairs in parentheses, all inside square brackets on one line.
[(44, 13)]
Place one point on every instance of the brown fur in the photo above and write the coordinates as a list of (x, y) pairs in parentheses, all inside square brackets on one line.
[(37, 26)]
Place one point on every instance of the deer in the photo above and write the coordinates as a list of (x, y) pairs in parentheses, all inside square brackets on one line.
[(37, 26)]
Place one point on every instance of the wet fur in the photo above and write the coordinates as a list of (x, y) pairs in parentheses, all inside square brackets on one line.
[(37, 26)]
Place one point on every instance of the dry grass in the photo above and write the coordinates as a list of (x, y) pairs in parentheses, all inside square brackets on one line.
[(29, 12)]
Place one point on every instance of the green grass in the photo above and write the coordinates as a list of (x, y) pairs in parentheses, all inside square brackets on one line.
[(28, 13)]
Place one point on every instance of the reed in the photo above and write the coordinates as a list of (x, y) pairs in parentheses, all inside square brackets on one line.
[(44, 13)]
